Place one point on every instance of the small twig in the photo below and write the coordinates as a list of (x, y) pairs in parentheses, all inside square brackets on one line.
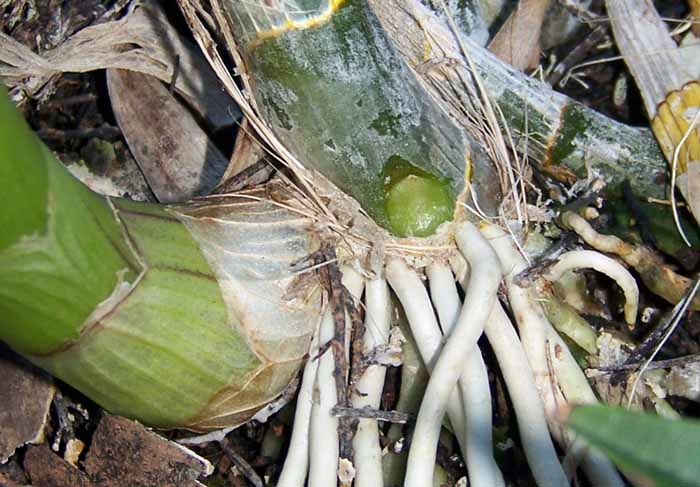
[(377, 356), (578, 54), (65, 427), (639, 215), (176, 73), (72, 100), (340, 300), (243, 466), (379, 415), (252, 175), (544, 262), (657, 364), (103, 132), (578, 9), (659, 334)]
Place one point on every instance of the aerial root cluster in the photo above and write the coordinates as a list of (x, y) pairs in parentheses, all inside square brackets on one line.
[(540, 373)]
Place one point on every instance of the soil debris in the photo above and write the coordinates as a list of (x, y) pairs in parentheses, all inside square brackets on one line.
[(25, 398)]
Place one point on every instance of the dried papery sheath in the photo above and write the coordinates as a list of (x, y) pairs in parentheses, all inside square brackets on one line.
[(179, 316), (342, 100), (695, 15), (671, 93)]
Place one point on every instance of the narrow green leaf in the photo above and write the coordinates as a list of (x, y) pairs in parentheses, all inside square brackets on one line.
[(663, 450)]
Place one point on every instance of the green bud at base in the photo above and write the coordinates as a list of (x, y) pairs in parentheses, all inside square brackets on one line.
[(417, 205)]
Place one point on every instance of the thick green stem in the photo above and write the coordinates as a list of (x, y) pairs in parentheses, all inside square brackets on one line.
[(178, 316), (62, 251), (567, 139), (343, 101)]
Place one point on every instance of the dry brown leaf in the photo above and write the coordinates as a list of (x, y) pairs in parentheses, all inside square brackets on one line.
[(518, 40), (176, 156), (246, 152)]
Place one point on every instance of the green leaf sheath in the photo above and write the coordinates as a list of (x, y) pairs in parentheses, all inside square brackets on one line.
[(61, 249), (342, 100), (663, 450), (159, 313)]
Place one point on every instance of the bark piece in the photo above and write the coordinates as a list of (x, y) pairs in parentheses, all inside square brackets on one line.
[(125, 454), (5, 482), (25, 398), (47, 469), (12, 474)]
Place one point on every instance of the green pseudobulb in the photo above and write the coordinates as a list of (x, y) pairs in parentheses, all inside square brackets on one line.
[(415, 201)]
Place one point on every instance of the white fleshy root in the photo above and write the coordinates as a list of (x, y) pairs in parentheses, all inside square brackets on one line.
[(519, 379), (473, 383), (543, 348), (324, 448), (415, 301), (577, 390), (368, 452), (480, 298), (529, 410), (588, 259), (296, 465)]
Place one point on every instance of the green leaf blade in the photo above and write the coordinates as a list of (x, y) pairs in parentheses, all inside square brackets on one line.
[(663, 450)]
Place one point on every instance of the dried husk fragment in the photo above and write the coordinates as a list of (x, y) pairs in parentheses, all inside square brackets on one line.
[(671, 93), (695, 15), (518, 40)]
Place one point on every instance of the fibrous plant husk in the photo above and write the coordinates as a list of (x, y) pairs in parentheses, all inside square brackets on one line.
[(139, 39)]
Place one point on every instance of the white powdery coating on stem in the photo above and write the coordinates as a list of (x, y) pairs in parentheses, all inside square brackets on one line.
[(473, 384), (425, 329), (480, 297), (588, 259), (368, 451)]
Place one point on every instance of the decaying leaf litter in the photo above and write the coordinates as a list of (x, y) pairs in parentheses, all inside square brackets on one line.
[(446, 83)]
